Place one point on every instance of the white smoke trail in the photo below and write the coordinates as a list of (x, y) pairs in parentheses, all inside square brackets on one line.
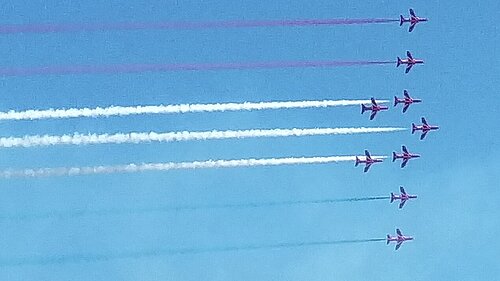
[(171, 109), (80, 139), (135, 168)]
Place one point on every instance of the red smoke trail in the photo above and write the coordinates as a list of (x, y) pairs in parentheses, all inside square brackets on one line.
[(88, 27), (135, 68)]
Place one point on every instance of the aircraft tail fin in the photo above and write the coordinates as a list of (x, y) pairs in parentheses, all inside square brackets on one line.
[(399, 62), (363, 108), (401, 20), (413, 128), (357, 162), (393, 156), (392, 197), (388, 237), (396, 100)]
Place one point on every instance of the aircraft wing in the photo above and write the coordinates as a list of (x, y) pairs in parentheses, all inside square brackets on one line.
[(398, 245), (412, 13), (403, 147), (405, 107), (403, 164), (367, 154), (408, 68), (402, 189), (424, 121), (412, 26), (402, 203), (367, 167), (374, 112), (374, 102), (423, 135), (408, 54), (398, 231), (405, 93)]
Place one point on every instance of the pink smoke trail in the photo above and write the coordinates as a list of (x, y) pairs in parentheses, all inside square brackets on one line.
[(136, 68), (89, 27)]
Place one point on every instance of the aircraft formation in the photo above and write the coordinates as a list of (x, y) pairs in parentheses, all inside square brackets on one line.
[(367, 160), (405, 155)]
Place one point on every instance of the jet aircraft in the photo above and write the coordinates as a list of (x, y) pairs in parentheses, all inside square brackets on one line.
[(406, 100), (405, 156), (403, 197), (368, 161), (399, 238), (425, 128), (410, 61), (374, 108), (413, 20)]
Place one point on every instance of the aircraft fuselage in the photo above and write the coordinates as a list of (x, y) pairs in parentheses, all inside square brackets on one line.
[(426, 128), (414, 20), (413, 100), (399, 238), (411, 61)]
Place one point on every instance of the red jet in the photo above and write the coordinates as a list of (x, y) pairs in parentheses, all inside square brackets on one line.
[(403, 197), (399, 238), (425, 128), (374, 107), (410, 61), (407, 100), (413, 20), (368, 161), (405, 156)]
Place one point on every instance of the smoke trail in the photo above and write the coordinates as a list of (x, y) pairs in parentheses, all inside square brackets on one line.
[(136, 68), (79, 139), (111, 212), (89, 27), (78, 258), (209, 164), (172, 109)]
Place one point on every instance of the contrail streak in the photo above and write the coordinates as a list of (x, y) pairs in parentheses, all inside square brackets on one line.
[(79, 139), (136, 68), (89, 27), (208, 164), (79, 258), (172, 109), (164, 209)]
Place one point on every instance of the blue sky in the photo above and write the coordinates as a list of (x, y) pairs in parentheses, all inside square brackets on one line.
[(453, 220)]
